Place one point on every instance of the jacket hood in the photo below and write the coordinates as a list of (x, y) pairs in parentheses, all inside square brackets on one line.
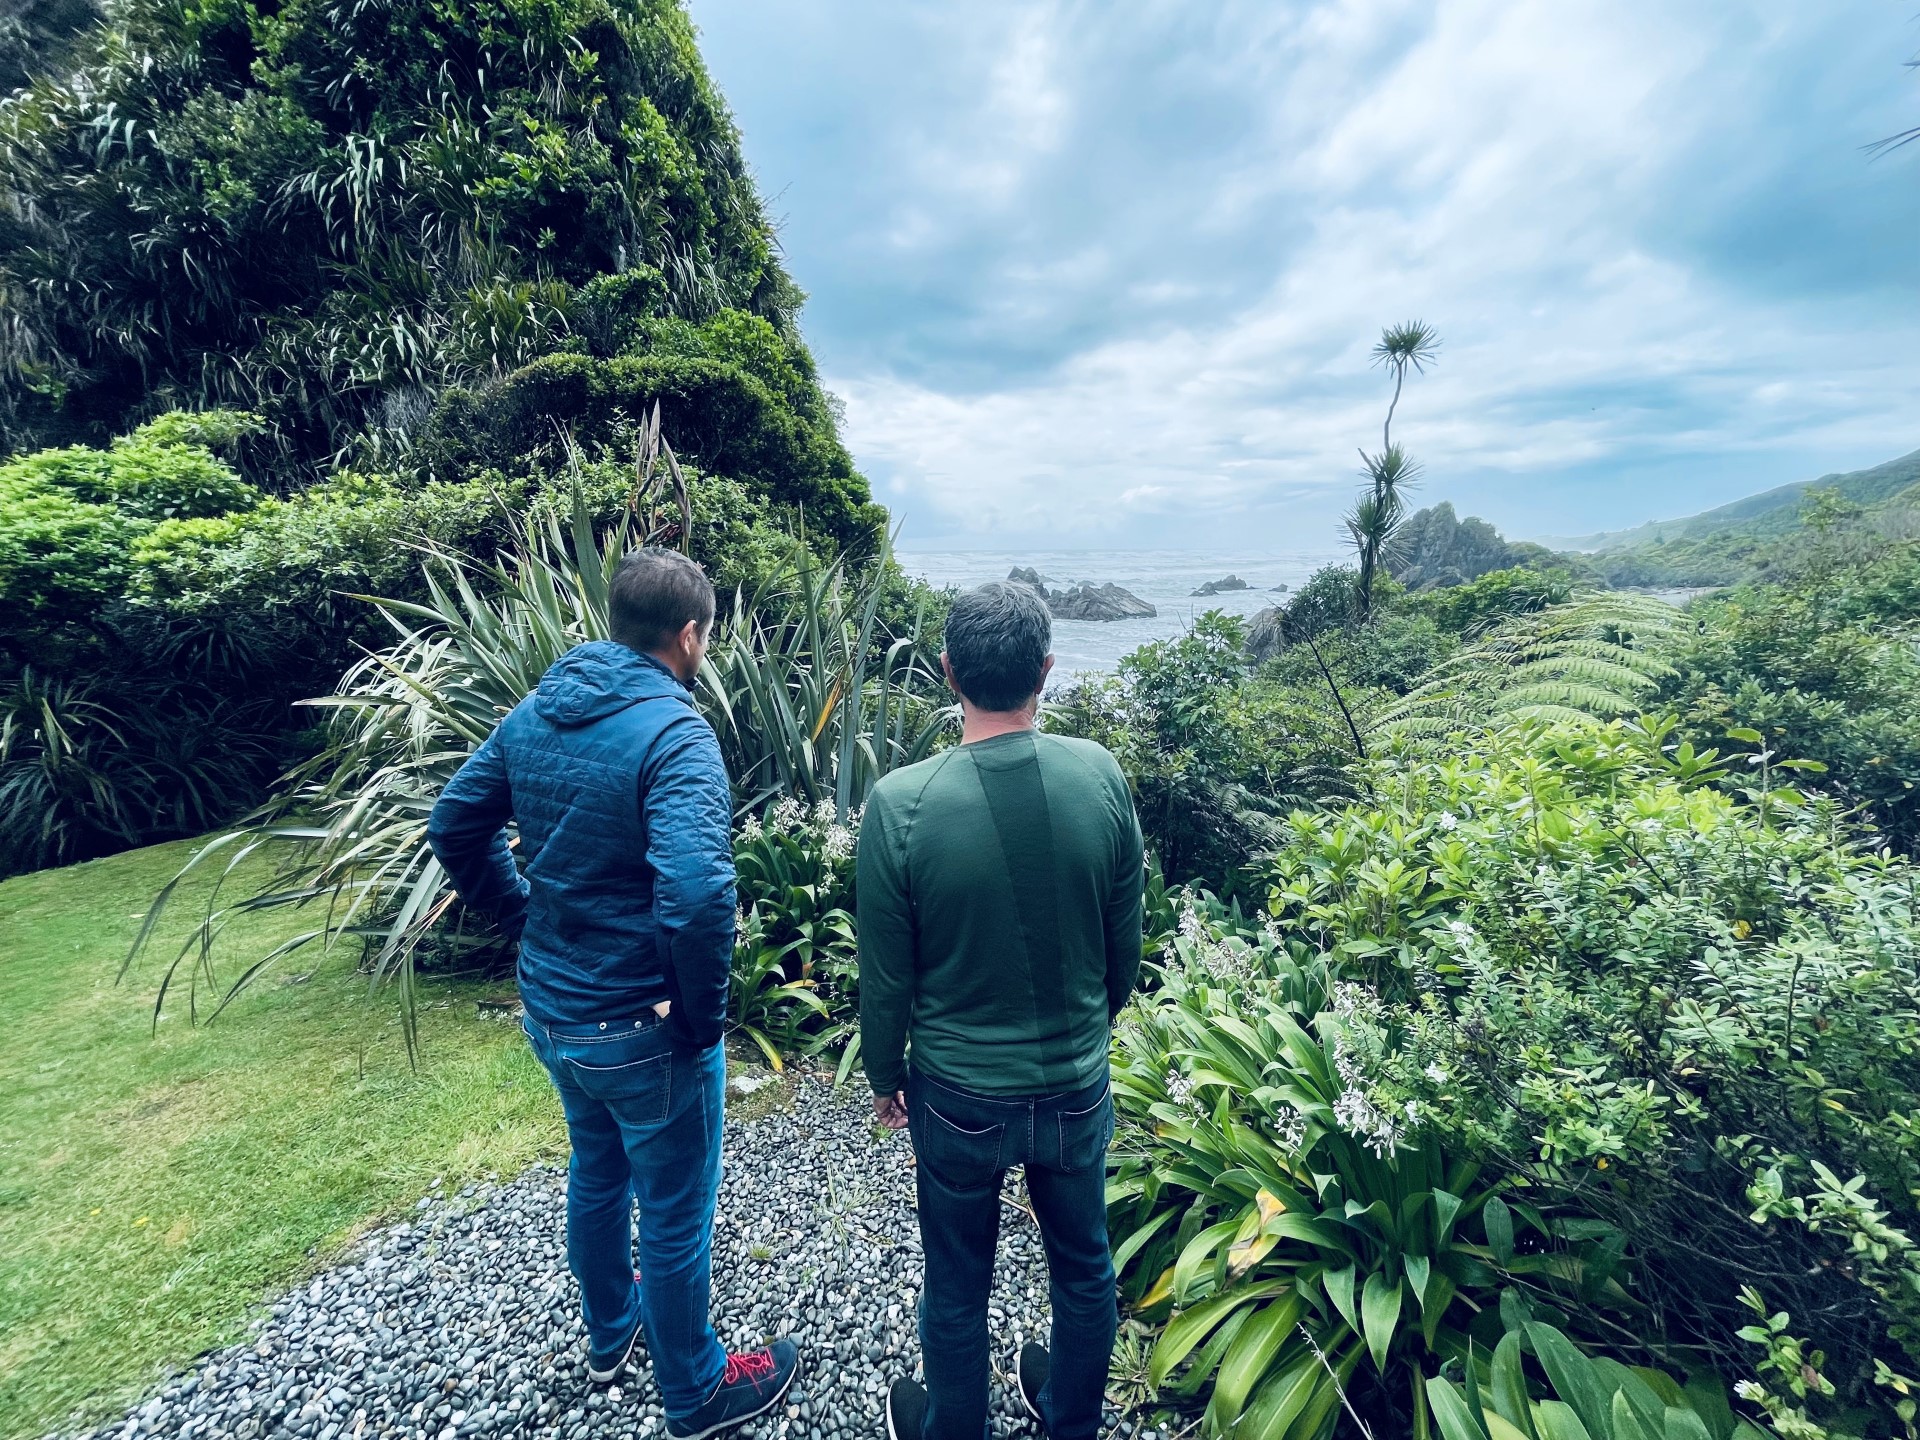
[(601, 678)]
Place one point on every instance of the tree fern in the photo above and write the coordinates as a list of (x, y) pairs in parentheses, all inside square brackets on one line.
[(1594, 657)]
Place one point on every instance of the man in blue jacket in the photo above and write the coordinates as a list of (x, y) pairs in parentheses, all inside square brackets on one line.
[(624, 910)]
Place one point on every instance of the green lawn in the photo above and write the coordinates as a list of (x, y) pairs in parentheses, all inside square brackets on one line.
[(153, 1189)]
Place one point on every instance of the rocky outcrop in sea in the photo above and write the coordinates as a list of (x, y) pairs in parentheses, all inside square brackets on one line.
[(1088, 602), (1220, 587), (1099, 602)]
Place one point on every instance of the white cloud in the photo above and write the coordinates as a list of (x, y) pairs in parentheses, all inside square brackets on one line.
[(1124, 264)]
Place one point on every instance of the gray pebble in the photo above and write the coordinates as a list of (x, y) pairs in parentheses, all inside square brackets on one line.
[(462, 1320)]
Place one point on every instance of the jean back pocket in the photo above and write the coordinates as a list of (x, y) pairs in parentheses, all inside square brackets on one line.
[(639, 1092), (1085, 1134), (961, 1157)]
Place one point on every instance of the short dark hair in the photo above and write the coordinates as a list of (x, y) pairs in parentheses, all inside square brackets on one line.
[(655, 592), (998, 637)]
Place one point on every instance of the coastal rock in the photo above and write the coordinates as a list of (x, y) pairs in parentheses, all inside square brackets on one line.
[(1099, 602), (1220, 587), (1267, 634), (1279, 589), (1027, 575)]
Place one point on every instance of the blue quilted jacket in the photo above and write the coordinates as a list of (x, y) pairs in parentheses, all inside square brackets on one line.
[(621, 799)]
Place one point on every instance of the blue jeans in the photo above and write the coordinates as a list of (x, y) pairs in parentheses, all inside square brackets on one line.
[(645, 1120), (963, 1144)]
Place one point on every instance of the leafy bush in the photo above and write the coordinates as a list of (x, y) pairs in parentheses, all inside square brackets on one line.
[(1492, 597), (1321, 1253), (1684, 1012), (324, 215), (1386, 657), (69, 519), (795, 970), (1210, 756), (1826, 669)]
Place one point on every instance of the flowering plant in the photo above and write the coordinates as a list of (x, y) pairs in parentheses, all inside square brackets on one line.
[(796, 968)]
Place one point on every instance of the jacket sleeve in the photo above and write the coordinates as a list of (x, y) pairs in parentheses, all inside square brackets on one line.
[(886, 936), (687, 807), (467, 831), (1125, 904)]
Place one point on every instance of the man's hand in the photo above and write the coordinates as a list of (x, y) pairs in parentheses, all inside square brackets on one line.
[(891, 1110)]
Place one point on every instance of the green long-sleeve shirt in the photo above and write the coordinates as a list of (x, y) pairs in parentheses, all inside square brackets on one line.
[(999, 900)]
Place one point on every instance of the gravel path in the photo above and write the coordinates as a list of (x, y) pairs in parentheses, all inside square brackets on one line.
[(463, 1321)]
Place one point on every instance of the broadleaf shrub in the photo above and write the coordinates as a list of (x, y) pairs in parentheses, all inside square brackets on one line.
[(1686, 1009)]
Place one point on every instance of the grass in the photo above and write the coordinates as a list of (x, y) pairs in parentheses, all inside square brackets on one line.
[(154, 1188)]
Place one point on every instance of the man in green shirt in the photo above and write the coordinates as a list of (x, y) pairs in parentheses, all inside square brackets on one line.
[(999, 897)]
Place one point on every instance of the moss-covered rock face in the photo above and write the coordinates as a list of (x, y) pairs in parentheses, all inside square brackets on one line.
[(336, 214)]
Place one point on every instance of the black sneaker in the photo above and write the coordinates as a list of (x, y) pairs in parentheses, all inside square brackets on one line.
[(906, 1410), (753, 1384), (1030, 1372), (604, 1367)]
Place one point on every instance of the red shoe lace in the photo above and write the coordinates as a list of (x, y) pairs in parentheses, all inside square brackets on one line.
[(754, 1365)]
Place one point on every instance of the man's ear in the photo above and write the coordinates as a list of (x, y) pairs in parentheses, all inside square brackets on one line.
[(1046, 669), (946, 668)]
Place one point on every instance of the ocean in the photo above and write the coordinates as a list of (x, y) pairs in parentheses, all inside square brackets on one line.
[(1165, 579)]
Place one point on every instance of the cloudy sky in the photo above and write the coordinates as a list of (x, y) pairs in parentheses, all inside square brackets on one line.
[(1106, 274)]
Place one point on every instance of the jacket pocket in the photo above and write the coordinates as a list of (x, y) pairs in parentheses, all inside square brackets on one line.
[(962, 1158), (639, 1092), (1085, 1134)]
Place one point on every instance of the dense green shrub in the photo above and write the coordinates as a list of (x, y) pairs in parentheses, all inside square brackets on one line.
[(316, 212), (1211, 756), (1386, 656), (1686, 1013), (796, 972), (1825, 668), (725, 418), (69, 520), (1492, 597)]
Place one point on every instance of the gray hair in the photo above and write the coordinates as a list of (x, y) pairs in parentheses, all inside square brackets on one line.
[(998, 638)]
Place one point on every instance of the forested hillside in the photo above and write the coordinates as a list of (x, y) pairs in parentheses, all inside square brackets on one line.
[(288, 289), (1736, 541)]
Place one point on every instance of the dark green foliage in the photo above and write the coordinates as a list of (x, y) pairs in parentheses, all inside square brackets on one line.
[(38, 37), (330, 213), (1492, 597), (1683, 1013), (1209, 754), (1386, 657), (1825, 669), (722, 417), (1326, 602)]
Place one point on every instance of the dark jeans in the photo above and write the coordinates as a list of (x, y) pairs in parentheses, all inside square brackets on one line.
[(645, 1122), (964, 1144)]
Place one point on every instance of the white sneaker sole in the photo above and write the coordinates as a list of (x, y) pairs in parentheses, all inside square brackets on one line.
[(607, 1377)]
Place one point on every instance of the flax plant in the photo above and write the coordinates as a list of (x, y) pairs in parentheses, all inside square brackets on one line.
[(809, 693)]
